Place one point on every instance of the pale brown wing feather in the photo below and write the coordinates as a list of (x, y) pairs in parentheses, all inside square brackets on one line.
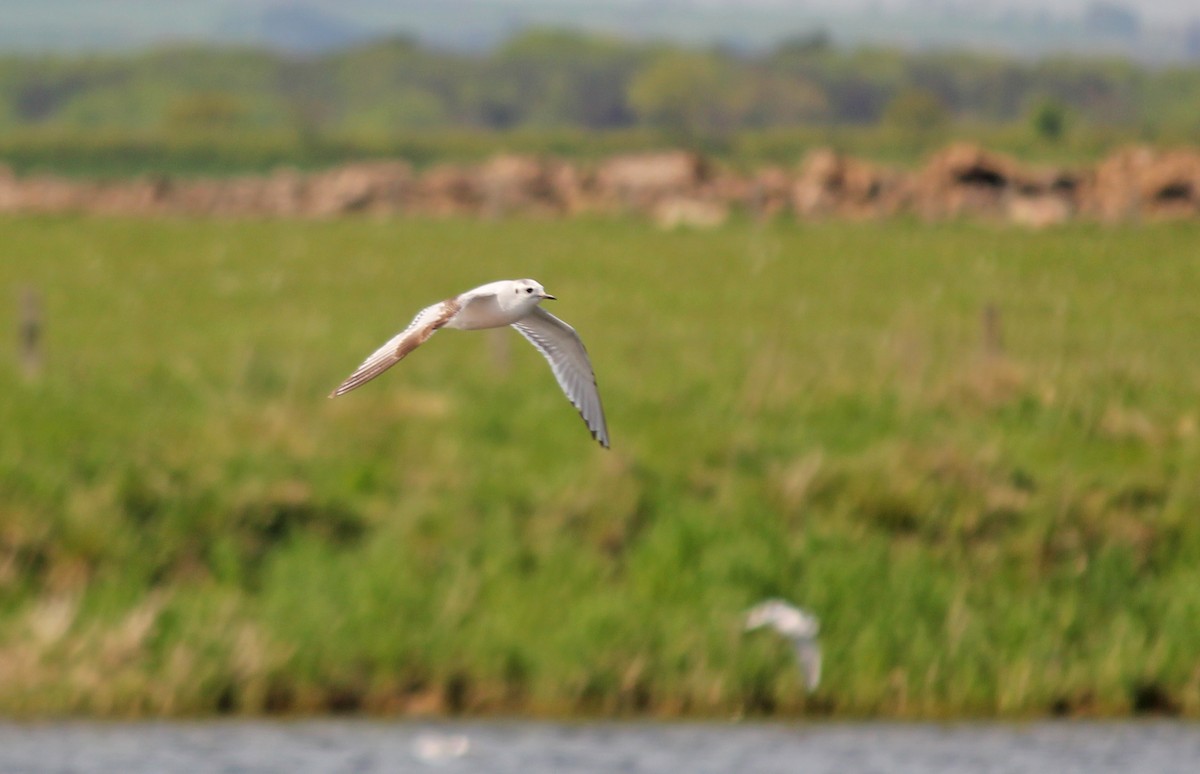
[(424, 325)]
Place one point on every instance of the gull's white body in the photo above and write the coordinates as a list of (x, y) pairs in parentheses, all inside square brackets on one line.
[(796, 625), (494, 305)]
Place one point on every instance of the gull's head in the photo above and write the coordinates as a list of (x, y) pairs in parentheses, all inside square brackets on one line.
[(530, 292)]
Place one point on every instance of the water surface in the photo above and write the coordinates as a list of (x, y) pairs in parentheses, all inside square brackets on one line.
[(356, 746)]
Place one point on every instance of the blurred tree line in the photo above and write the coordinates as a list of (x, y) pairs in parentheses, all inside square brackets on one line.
[(550, 80)]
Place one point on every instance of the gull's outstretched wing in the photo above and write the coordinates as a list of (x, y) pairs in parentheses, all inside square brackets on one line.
[(424, 325), (808, 653), (561, 346)]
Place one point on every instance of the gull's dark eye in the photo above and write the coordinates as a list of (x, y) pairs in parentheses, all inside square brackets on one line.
[(528, 290)]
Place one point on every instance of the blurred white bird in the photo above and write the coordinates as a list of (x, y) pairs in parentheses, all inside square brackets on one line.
[(494, 305), (798, 626)]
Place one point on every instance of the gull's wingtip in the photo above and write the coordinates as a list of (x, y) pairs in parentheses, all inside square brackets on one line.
[(600, 436)]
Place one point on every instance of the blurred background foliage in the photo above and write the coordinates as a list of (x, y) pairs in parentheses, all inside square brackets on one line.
[(215, 109)]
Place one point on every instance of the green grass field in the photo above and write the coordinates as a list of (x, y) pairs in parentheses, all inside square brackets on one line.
[(188, 525)]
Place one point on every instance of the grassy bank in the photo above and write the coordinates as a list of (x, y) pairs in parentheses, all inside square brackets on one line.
[(999, 524)]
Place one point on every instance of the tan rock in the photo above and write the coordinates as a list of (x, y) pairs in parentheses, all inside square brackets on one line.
[(1039, 210), (831, 184), (512, 183), (447, 189), (378, 186), (637, 181)]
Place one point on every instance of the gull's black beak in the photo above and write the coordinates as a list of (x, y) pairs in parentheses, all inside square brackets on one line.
[(548, 297)]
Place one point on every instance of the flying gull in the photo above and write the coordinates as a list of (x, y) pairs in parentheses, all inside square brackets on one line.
[(796, 625), (506, 302)]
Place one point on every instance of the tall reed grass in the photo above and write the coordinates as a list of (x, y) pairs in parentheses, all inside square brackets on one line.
[(990, 519)]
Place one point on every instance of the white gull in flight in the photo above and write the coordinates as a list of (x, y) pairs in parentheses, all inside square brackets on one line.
[(796, 625), (496, 304)]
